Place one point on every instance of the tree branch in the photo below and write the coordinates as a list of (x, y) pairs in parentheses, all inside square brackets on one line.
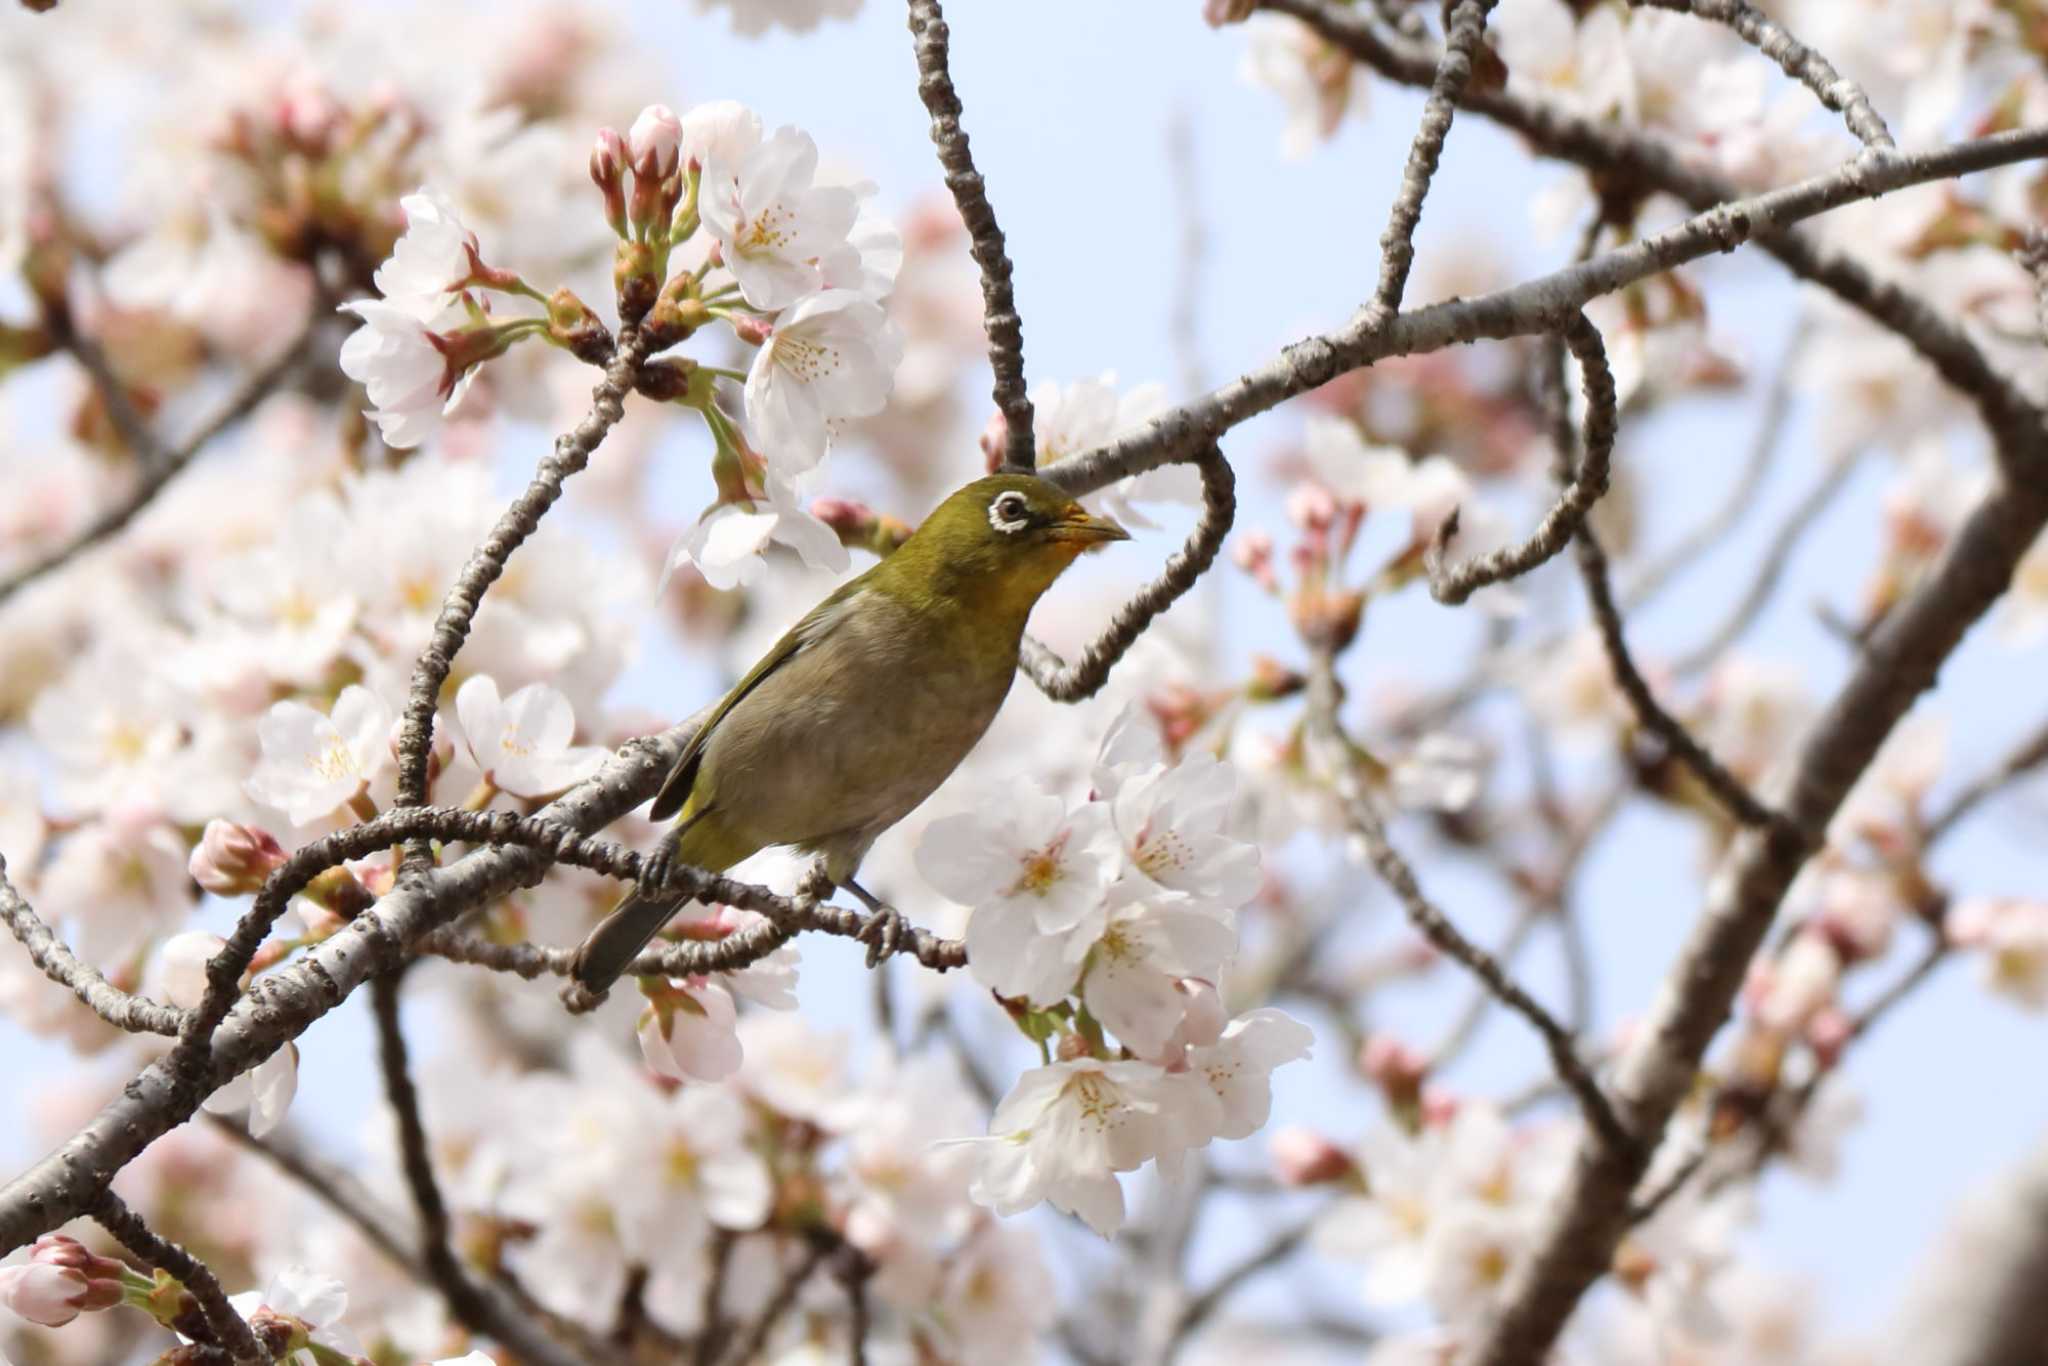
[(1588, 1216), (1064, 682), (1433, 924), (159, 466), (1794, 58), (1584, 479), (230, 1329), (931, 39), (571, 453), (121, 1009), (1466, 29)]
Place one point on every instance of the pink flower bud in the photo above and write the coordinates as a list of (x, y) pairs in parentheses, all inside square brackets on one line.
[(1828, 1033), (231, 859), (1311, 507), (57, 1249), (1303, 1157), (843, 514), (752, 331), (1439, 1107), (654, 142), (607, 158), (995, 440), (1396, 1067), (42, 1293)]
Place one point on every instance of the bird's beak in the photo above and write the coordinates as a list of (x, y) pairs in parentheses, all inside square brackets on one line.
[(1078, 524)]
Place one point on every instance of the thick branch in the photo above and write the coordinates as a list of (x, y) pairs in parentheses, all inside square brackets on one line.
[(1548, 302), (1064, 682), (122, 1010), (1589, 1214), (931, 38)]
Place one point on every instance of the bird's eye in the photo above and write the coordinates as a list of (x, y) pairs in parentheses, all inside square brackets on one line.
[(1009, 513)]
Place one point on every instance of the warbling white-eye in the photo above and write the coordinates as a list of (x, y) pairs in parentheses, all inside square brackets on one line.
[(866, 705)]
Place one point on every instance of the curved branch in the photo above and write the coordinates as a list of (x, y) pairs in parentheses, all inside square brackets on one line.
[(1586, 485), (121, 1009), (1064, 682), (932, 38), (229, 1328)]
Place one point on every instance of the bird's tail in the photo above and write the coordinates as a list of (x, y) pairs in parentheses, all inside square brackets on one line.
[(633, 923), (619, 938)]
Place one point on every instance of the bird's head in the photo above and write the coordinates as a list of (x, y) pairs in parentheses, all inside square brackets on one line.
[(1003, 539)]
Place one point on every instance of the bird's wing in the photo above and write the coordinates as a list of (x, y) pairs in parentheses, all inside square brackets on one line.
[(817, 624)]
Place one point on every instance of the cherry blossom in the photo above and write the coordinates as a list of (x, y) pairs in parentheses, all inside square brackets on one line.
[(772, 221), (2012, 935), (1076, 417), (726, 544), (1312, 77), (830, 356), (1174, 823), (1133, 968), (313, 1304), (404, 367), (430, 263), (1063, 1132), (314, 763), (687, 1033), (521, 743)]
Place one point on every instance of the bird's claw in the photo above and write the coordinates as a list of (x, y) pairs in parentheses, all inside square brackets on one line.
[(884, 932), (654, 871)]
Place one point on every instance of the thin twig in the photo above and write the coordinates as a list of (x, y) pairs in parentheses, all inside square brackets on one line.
[(1771, 570), (1586, 484), (1795, 59), (1592, 559), (572, 451), (2024, 758), (1433, 924), (123, 1010), (1467, 1022), (932, 39), (230, 1329), (384, 1230), (786, 1291), (1272, 1252), (1064, 682), (1644, 1209), (711, 1310), (158, 465), (1454, 69)]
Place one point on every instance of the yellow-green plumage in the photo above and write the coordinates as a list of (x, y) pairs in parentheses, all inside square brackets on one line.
[(867, 704)]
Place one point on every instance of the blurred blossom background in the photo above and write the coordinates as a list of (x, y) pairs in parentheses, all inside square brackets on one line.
[(1180, 201)]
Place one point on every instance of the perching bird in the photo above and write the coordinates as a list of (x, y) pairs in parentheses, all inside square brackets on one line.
[(866, 705)]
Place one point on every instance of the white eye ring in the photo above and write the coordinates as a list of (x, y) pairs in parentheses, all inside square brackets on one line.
[(1008, 513)]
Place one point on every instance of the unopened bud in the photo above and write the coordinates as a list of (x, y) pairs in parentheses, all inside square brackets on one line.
[(232, 859), (1394, 1066), (1253, 553), (995, 440), (607, 172), (1310, 507), (751, 330), (653, 144), (1271, 680), (57, 1249), (41, 1293), (1303, 1157)]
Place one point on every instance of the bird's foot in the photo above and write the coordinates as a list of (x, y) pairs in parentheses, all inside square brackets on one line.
[(654, 871), (886, 929), (815, 886)]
